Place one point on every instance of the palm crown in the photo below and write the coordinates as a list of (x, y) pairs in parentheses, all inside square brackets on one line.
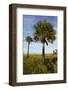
[(29, 39), (44, 32)]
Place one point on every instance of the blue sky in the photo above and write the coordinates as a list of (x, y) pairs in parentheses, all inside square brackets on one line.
[(36, 47)]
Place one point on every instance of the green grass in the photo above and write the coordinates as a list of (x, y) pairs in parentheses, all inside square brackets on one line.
[(35, 64)]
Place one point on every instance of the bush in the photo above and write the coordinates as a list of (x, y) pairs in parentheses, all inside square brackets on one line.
[(35, 65)]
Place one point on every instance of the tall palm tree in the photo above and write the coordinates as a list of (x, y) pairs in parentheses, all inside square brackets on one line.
[(29, 40), (44, 32)]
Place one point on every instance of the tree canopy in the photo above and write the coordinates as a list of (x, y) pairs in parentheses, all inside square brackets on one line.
[(44, 32)]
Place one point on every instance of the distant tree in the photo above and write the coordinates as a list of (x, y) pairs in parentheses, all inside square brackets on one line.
[(44, 32), (29, 40), (55, 51)]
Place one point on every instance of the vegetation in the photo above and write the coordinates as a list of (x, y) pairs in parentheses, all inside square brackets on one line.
[(41, 63), (29, 40), (35, 65), (44, 33)]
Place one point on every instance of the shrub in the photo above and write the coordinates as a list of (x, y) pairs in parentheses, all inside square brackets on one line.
[(35, 65)]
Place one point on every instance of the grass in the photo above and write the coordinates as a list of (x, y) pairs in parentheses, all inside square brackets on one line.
[(35, 64)]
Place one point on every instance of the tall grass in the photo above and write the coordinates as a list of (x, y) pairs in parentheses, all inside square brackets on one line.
[(34, 64)]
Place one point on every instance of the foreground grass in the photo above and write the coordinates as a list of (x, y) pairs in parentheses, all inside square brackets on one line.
[(35, 64)]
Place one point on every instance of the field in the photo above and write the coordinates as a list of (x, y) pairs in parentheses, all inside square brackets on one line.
[(36, 64)]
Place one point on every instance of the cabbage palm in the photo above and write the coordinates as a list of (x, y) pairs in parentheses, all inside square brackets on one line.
[(45, 33), (29, 40)]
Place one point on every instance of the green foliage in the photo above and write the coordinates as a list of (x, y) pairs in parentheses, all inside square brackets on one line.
[(29, 39), (44, 32), (35, 65)]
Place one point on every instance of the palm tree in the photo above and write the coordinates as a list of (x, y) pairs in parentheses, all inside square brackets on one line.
[(44, 33), (29, 40), (55, 51)]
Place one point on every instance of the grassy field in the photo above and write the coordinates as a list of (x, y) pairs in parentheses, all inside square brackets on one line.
[(35, 64)]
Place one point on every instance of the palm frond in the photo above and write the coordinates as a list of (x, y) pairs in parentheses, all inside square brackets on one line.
[(44, 32)]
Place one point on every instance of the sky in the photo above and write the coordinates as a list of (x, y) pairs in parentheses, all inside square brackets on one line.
[(28, 29)]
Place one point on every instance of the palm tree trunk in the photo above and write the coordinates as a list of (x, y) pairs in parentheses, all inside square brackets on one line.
[(43, 50), (28, 50)]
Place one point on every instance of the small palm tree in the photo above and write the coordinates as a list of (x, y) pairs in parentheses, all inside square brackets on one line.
[(29, 40), (44, 33), (55, 51)]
